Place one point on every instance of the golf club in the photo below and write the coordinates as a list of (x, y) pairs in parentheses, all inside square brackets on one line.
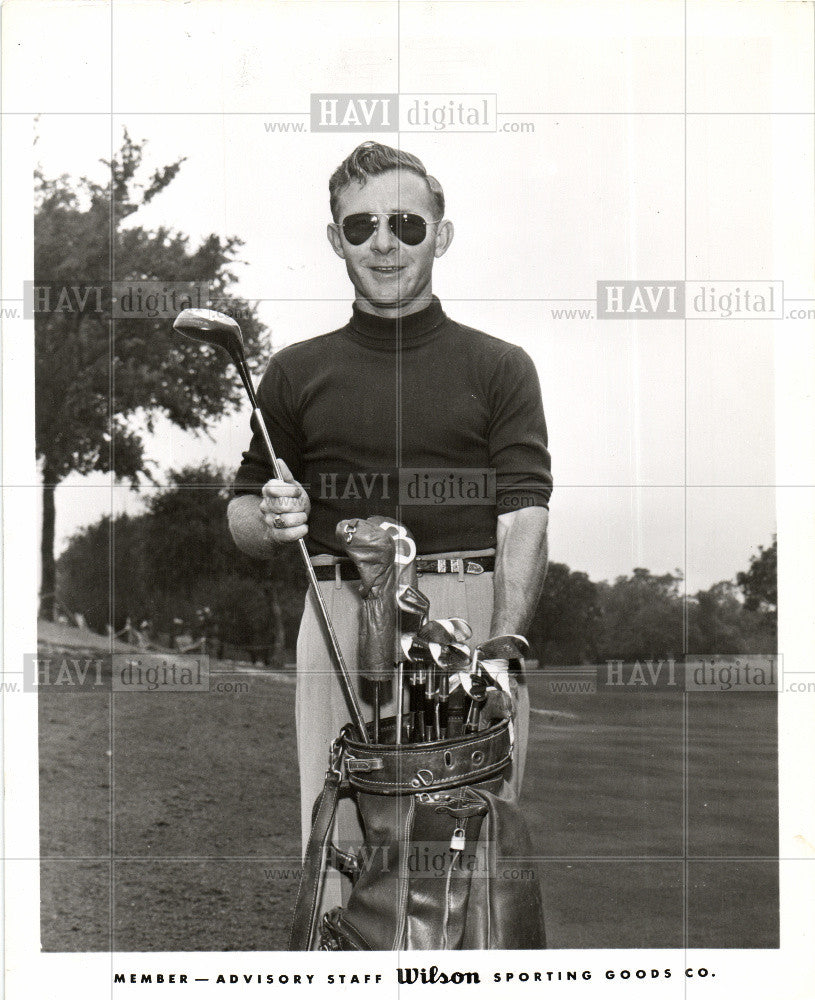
[(377, 709), (219, 330), (400, 698), (478, 696), (412, 608)]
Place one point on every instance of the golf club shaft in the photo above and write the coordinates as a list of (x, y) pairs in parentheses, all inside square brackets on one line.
[(419, 713), (377, 708), (400, 695), (429, 712), (442, 706), (259, 425), (456, 713)]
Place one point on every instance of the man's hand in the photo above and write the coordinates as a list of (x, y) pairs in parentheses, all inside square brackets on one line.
[(285, 507)]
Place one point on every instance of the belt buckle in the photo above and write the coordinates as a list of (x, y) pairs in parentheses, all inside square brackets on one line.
[(475, 568)]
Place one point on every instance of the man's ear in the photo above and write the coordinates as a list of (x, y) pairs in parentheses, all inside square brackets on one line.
[(444, 237), (334, 238)]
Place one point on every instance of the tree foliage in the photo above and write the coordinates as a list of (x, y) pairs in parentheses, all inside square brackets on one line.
[(759, 583), (646, 616), (102, 381), (564, 630), (177, 559)]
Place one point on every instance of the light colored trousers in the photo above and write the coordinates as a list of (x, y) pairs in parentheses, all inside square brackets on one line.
[(320, 707)]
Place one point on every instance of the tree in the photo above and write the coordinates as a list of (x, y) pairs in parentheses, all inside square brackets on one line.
[(564, 627), (716, 621), (178, 558), (190, 555), (759, 583), (96, 556), (642, 617), (102, 381), (719, 621)]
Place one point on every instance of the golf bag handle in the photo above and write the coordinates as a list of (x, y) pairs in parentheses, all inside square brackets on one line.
[(259, 426)]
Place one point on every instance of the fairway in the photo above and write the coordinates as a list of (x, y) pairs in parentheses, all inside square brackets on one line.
[(170, 822)]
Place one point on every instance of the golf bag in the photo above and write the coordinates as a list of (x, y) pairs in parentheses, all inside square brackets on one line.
[(446, 861)]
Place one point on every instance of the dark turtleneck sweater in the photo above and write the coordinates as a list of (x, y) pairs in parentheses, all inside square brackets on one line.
[(419, 418)]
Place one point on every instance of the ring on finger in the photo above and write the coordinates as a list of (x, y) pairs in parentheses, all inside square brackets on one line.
[(278, 522)]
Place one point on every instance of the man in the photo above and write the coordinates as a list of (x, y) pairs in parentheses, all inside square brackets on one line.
[(401, 393)]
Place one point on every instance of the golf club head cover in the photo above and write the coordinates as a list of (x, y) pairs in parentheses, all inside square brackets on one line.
[(412, 605), (373, 552)]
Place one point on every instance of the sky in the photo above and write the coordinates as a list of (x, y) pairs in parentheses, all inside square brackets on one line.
[(662, 433)]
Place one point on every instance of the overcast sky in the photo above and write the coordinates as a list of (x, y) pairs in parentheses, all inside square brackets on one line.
[(662, 433)]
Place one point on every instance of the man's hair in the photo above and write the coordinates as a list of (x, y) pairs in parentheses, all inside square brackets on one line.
[(371, 159)]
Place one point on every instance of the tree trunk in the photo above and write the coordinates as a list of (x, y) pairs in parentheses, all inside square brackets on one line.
[(48, 583)]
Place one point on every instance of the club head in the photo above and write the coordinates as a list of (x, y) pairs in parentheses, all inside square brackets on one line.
[(413, 601), (507, 647), (211, 327)]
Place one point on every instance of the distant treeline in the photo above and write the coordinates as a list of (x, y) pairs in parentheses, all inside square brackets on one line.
[(175, 569)]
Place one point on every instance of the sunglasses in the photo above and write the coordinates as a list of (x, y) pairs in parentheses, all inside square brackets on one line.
[(407, 228)]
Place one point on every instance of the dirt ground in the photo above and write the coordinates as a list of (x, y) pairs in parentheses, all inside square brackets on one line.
[(170, 821)]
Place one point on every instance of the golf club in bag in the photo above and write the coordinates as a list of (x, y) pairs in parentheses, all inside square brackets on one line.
[(219, 330)]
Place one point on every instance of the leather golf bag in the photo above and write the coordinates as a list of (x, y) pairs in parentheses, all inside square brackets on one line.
[(446, 858), (446, 861)]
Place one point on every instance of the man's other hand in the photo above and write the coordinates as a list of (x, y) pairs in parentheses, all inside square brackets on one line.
[(285, 507)]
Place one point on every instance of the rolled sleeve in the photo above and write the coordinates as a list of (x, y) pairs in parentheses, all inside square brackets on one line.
[(518, 439)]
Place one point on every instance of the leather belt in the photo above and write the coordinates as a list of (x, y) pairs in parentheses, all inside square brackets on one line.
[(473, 566), (413, 768)]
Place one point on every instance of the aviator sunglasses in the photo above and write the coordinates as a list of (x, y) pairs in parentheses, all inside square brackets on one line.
[(407, 228)]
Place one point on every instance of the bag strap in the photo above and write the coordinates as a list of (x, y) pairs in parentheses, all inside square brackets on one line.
[(308, 895)]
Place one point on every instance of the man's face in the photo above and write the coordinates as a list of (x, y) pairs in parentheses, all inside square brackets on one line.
[(391, 278)]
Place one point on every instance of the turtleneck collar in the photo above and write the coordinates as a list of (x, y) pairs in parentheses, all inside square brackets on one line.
[(404, 331)]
